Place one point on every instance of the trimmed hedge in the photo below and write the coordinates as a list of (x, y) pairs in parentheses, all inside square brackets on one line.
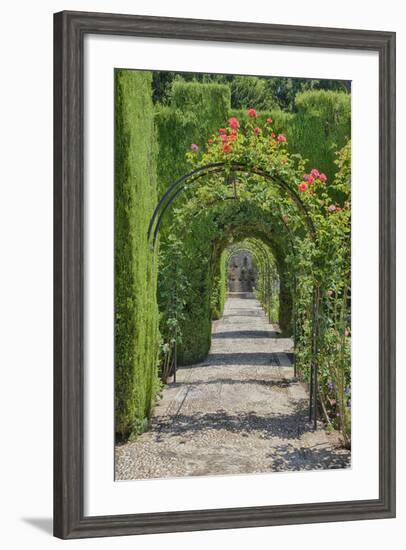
[(209, 234), (320, 126), (136, 312), (196, 111), (220, 287)]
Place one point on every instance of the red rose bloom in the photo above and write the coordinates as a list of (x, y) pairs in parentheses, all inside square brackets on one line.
[(252, 113), (281, 138), (257, 130), (222, 131), (302, 187), (269, 120), (233, 122), (223, 137), (226, 148), (322, 177), (315, 173), (273, 135)]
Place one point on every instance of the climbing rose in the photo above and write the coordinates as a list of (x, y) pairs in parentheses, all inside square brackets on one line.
[(281, 138), (273, 135), (332, 208), (233, 122), (232, 137), (308, 178), (223, 137), (257, 130), (315, 173), (269, 120), (194, 147), (226, 148), (303, 187), (322, 177), (252, 113), (222, 131)]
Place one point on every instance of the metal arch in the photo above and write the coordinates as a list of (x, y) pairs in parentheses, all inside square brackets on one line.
[(175, 189), (261, 252)]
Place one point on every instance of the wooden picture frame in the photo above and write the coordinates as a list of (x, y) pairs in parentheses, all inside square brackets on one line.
[(70, 29)]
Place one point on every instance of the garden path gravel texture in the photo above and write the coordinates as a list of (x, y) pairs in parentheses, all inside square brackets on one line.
[(239, 412)]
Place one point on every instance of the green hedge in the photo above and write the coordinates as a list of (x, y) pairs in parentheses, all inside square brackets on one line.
[(320, 125), (196, 111), (203, 263), (219, 287), (136, 313)]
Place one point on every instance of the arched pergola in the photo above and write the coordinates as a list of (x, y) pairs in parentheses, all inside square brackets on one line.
[(185, 182)]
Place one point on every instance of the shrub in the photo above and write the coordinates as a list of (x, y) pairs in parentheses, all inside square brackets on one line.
[(136, 314)]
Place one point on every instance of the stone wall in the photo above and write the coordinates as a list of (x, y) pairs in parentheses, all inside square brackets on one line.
[(242, 273)]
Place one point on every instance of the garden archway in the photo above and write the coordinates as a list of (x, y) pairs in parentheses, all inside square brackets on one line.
[(184, 183)]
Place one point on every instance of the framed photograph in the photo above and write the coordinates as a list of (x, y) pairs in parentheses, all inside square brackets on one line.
[(224, 267)]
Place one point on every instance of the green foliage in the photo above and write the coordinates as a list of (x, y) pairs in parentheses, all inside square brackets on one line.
[(204, 225), (320, 125), (219, 288), (259, 92), (194, 112), (268, 280), (251, 91), (316, 246), (136, 314), (286, 90)]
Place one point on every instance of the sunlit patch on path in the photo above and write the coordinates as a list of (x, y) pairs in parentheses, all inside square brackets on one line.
[(240, 411)]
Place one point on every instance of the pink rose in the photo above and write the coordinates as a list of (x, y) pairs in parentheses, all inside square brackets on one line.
[(233, 122)]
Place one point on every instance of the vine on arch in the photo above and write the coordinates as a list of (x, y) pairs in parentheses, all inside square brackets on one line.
[(257, 169)]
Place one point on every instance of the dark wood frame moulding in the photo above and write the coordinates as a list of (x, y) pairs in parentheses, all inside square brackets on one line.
[(69, 31)]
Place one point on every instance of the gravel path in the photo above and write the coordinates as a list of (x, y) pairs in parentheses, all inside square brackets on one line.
[(239, 412)]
